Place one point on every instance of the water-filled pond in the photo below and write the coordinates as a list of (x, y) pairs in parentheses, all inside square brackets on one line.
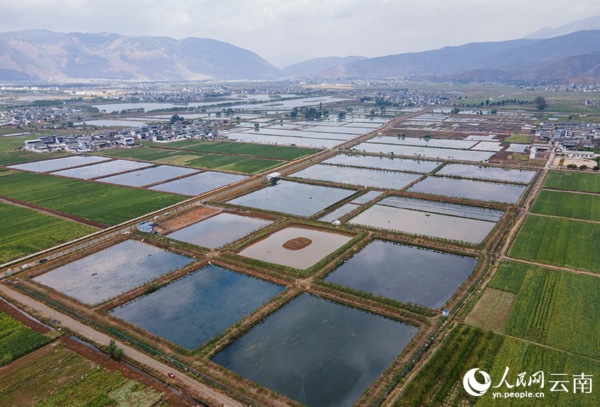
[(198, 306), (422, 217), (59, 163), (219, 230), (112, 271), (102, 169), (339, 212), (430, 152), (353, 131), (368, 197), (493, 173), (470, 189), (385, 163), (411, 141), (255, 137), (317, 352), (273, 249), (149, 176), (405, 273), (303, 134), (293, 197), (199, 183), (358, 176)]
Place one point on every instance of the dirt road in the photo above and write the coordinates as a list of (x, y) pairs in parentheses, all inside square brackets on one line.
[(204, 391)]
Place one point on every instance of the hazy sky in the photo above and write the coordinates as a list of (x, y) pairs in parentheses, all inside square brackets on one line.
[(284, 31)]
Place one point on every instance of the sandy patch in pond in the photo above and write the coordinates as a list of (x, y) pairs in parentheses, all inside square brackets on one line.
[(272, 250), (297, 243)]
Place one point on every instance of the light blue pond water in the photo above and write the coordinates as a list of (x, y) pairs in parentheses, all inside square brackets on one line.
[(199, 183)]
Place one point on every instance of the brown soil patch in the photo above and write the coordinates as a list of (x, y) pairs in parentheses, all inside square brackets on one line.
[(186, 218), (18, 316), (297, 243)]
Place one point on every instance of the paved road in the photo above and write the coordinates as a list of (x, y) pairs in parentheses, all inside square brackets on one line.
[(98, 337)]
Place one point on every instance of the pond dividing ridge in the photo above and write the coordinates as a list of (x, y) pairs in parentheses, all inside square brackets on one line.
[(405, 273), (113, 271), (198, 306), (317, 352)]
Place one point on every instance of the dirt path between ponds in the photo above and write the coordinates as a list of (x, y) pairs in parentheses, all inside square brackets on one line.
[(189, 385)]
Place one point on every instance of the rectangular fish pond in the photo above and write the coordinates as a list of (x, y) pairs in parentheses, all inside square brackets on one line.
[(428, 218), (297, 247), (413, 141), (112, 271), (293, 197), (59, 163), (317, 352), (199, 183), (282, 140), (430, 152), (493, 173), (219, 230), (405, 273), (199, 306), (470, 189), (149, 176), (385, 163), (102, 169), (358, 176), (339, 212)]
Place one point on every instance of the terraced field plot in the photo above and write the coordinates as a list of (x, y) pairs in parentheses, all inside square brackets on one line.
[(107, 204), (358, 176), (346, 350), (198, 306), (58, 163), (17, 340), (219, 230), (491, 173), (25, 231), (555, 308), (428, 218), (562, 242), (113, 271), (294, 198), (568, 205), (573, 181), (466, 348), (469, 189), (60, 377), (404, 273), (385, 163)]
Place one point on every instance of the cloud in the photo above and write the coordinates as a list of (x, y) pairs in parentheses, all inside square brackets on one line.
[(304, 27)]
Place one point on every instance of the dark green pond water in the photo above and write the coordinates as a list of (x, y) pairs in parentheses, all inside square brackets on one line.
[(199, 306), (405, 273), (317, 352)]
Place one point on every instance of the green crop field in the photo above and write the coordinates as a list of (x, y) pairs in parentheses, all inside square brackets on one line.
[(17, 340), (568, 205), (562, 242), (9, 143), (25, 231), (253, 165), (107, 204), (520, 138), (257, 150), (468, 348), (554, 308), (174, 144), (573, 181), (60, 377)]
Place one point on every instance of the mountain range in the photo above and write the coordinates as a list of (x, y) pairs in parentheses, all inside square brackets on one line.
[(546, 55)]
